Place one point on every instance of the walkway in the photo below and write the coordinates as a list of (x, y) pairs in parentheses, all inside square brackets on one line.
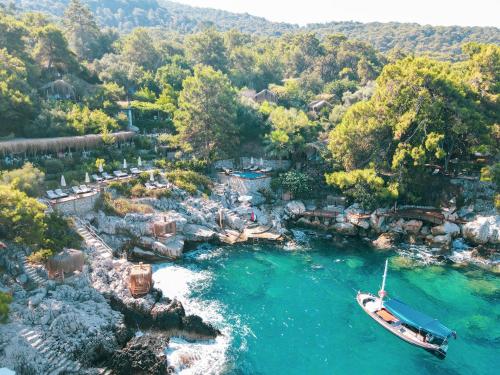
[(57, 361), (91, 239)]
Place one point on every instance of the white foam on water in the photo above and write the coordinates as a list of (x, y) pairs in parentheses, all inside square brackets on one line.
[(201, 357)]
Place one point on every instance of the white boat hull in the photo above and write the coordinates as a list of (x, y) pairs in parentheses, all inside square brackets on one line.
[(371, 304)]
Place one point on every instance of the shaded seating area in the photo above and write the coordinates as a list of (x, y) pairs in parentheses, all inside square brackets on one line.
[(66, 262), (140, 280)]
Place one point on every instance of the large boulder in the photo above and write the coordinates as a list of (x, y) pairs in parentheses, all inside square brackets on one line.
[(109, 224), (447, 228), (378, 220), (442, 241), (295, 208), (484, 229), (198, 233), (138, 225), (170, 247), (347, 229), (412, 226)]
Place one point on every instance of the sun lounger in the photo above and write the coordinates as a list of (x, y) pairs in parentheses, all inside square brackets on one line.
[(253, 168), (52, 195), (246, 168), (96, 178), (60, 193), (149, 186), (135, 170), (85, 189), (266, 170), (76, 190), (159, 185), (120, 174), (107, 176)]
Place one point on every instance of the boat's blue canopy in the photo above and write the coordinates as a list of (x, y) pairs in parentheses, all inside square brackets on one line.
[(417, 319)]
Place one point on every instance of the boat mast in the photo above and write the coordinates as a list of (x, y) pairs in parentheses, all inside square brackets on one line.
[(381, 292)]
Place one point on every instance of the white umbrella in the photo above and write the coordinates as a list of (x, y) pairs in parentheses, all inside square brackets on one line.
[(87, 178), (251, 160), (100, 168), (63, 181), (124, 164), (151, 176), (156, 149), (139, 161), (261, 162)]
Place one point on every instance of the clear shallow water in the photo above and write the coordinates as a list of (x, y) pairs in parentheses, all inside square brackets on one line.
[(294, 311)]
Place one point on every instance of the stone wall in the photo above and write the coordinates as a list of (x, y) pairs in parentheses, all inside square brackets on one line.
[(245, 186), (77, 205)]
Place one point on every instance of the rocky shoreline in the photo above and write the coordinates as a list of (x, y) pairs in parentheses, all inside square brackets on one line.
[(475, 236), (91, 324)]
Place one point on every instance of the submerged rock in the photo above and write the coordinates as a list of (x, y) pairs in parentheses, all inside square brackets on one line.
[(347, 229), (386, 241)]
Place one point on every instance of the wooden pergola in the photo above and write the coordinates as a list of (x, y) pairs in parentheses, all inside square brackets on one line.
[(58, 144)]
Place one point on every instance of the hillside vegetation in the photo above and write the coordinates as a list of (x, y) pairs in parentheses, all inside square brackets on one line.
[(439, 41), (379, 128)]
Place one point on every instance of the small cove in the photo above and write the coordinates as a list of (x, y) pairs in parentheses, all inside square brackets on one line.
[(293, 311)]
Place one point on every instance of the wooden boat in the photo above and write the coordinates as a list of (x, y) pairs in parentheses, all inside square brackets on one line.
[(406, 323)]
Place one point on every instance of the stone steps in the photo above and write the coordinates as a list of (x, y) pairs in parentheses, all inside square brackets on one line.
[(90, 240), (32, 272), (58, 362)]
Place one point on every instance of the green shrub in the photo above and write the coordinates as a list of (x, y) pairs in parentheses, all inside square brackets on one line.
[(121, 206), (125, 206), (59, 234), (22, 219), (5, 300), (121, 187), (491, 173), (364, 186), (27, 179), (297, 183), (53, 166), (189, 181), (138, 190), (40, 256)]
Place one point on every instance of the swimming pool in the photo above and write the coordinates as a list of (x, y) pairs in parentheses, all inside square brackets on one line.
[(249, 175)]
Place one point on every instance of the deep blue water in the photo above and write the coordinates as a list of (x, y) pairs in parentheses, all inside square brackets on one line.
[(294, 311)]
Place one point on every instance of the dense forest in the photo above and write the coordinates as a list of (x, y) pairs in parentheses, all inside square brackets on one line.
[(438, 41), (382, 127)]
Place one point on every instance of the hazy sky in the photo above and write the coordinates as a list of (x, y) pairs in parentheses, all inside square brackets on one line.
[(434, 12)]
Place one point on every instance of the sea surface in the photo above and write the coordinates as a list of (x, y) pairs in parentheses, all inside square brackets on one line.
[(291, 309)]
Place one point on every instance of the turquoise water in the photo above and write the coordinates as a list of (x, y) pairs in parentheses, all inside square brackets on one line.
[(249, 175), (294, 312)]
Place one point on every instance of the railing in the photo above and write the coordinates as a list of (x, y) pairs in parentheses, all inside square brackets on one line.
[(93, 233)]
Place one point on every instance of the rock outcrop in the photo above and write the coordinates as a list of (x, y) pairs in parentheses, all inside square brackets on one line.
[(483, 230), (295, 208), (143, 355)]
